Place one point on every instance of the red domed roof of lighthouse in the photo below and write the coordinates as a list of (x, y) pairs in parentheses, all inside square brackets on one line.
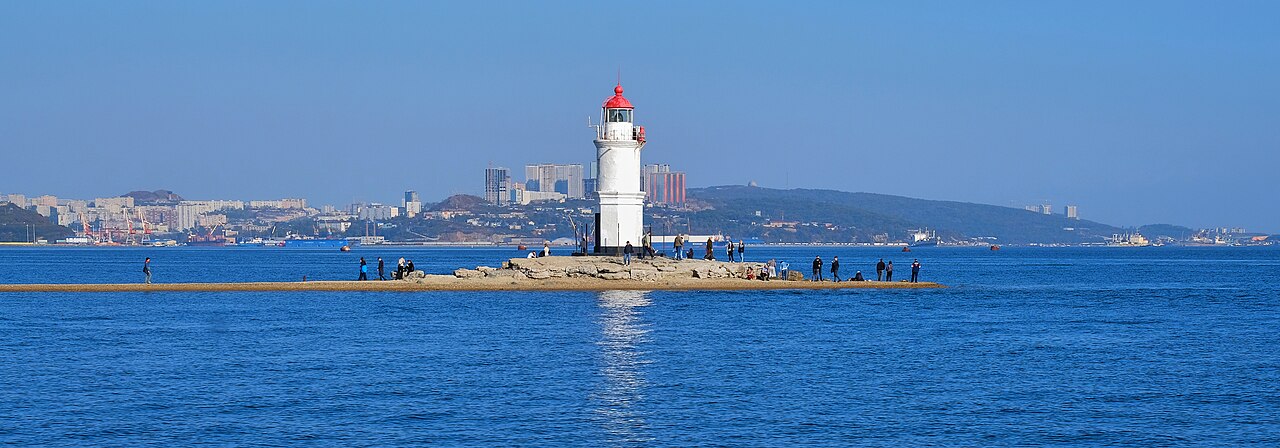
[(618, 101)]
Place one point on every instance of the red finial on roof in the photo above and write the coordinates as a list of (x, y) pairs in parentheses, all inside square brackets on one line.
[(617, 101)]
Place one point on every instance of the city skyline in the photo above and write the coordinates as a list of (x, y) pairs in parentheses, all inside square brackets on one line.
[(1139, 114)]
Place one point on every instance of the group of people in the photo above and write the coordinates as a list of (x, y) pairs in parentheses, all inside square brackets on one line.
[(646, 249), (403, 267), (884, 271)]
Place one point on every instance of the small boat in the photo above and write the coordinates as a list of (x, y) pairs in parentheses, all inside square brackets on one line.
[(995, 247), (345, 249), (522, 247), (906, 248)]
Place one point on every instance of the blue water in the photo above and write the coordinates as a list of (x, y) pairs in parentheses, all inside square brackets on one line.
[(1152, 346)]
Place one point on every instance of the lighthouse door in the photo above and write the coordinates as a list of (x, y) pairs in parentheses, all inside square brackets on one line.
[(597, 249)]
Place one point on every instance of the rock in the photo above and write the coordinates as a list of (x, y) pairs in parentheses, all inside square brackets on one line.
[(485, 269), (415, 275), (647, 275), (506, 273), (795, 276), (611, 268), (467, 273), (582, 270), (613, 275), (538, 274)]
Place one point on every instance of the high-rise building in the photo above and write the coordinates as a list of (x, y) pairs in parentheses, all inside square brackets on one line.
[(497, 183), (1046, 209), (563, 179), (375, 211), (18, 200), (46, 200), (591, 181), (1072, 212), (1033, 208), (112, 204), (189, 212), (663, 186), (412, 204)]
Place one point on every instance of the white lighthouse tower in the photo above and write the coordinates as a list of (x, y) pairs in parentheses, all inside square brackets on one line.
[(618, 144)]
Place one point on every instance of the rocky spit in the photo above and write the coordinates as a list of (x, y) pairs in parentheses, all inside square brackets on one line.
[(555, 273), (609, 268)]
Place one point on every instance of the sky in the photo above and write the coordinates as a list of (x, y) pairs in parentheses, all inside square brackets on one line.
[(1138, 112)]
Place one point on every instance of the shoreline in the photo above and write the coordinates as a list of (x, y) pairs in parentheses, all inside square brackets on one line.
[(480, 284)]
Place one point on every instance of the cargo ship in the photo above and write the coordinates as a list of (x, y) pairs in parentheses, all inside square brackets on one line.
[(1128, 240)]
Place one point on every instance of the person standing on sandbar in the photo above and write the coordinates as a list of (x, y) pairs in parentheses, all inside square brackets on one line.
[(146, 269)]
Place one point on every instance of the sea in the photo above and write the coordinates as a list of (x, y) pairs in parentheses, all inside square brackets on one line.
[(1155, 346)]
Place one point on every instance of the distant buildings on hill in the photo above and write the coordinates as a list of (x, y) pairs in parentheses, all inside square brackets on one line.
[(1071, 211)]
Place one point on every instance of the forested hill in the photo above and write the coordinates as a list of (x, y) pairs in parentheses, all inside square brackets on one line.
[(14, 222), (860, 216)]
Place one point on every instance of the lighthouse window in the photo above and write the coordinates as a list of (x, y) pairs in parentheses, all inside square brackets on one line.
[(619, 115)]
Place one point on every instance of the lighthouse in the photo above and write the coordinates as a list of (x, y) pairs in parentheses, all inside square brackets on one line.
[(620, 218)]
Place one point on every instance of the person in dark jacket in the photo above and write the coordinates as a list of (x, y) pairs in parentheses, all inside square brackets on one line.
[(888, 272), (381, 275), (626, 254), (364, 270), (817, 269), (146, 269), (858, 277), (728, 250), (408, 266), (742, 249), (880, 270), (711, 253), (835, 269), (915, 271)]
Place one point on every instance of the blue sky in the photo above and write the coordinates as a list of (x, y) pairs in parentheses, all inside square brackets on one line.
[(1139, 112)]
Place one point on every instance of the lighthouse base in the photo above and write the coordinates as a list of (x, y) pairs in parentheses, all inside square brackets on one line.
[(619, 221)]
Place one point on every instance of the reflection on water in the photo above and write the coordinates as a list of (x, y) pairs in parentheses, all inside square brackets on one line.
[(623, 335)]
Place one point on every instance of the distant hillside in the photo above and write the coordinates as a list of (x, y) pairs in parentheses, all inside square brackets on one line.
[(14, 223), (1153, 231), (158, 197), (860, 216), (460, 202)]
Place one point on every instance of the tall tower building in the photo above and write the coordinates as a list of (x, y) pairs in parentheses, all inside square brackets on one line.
[(563, 179), (412, 204), (496, 181), (620, 218)]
